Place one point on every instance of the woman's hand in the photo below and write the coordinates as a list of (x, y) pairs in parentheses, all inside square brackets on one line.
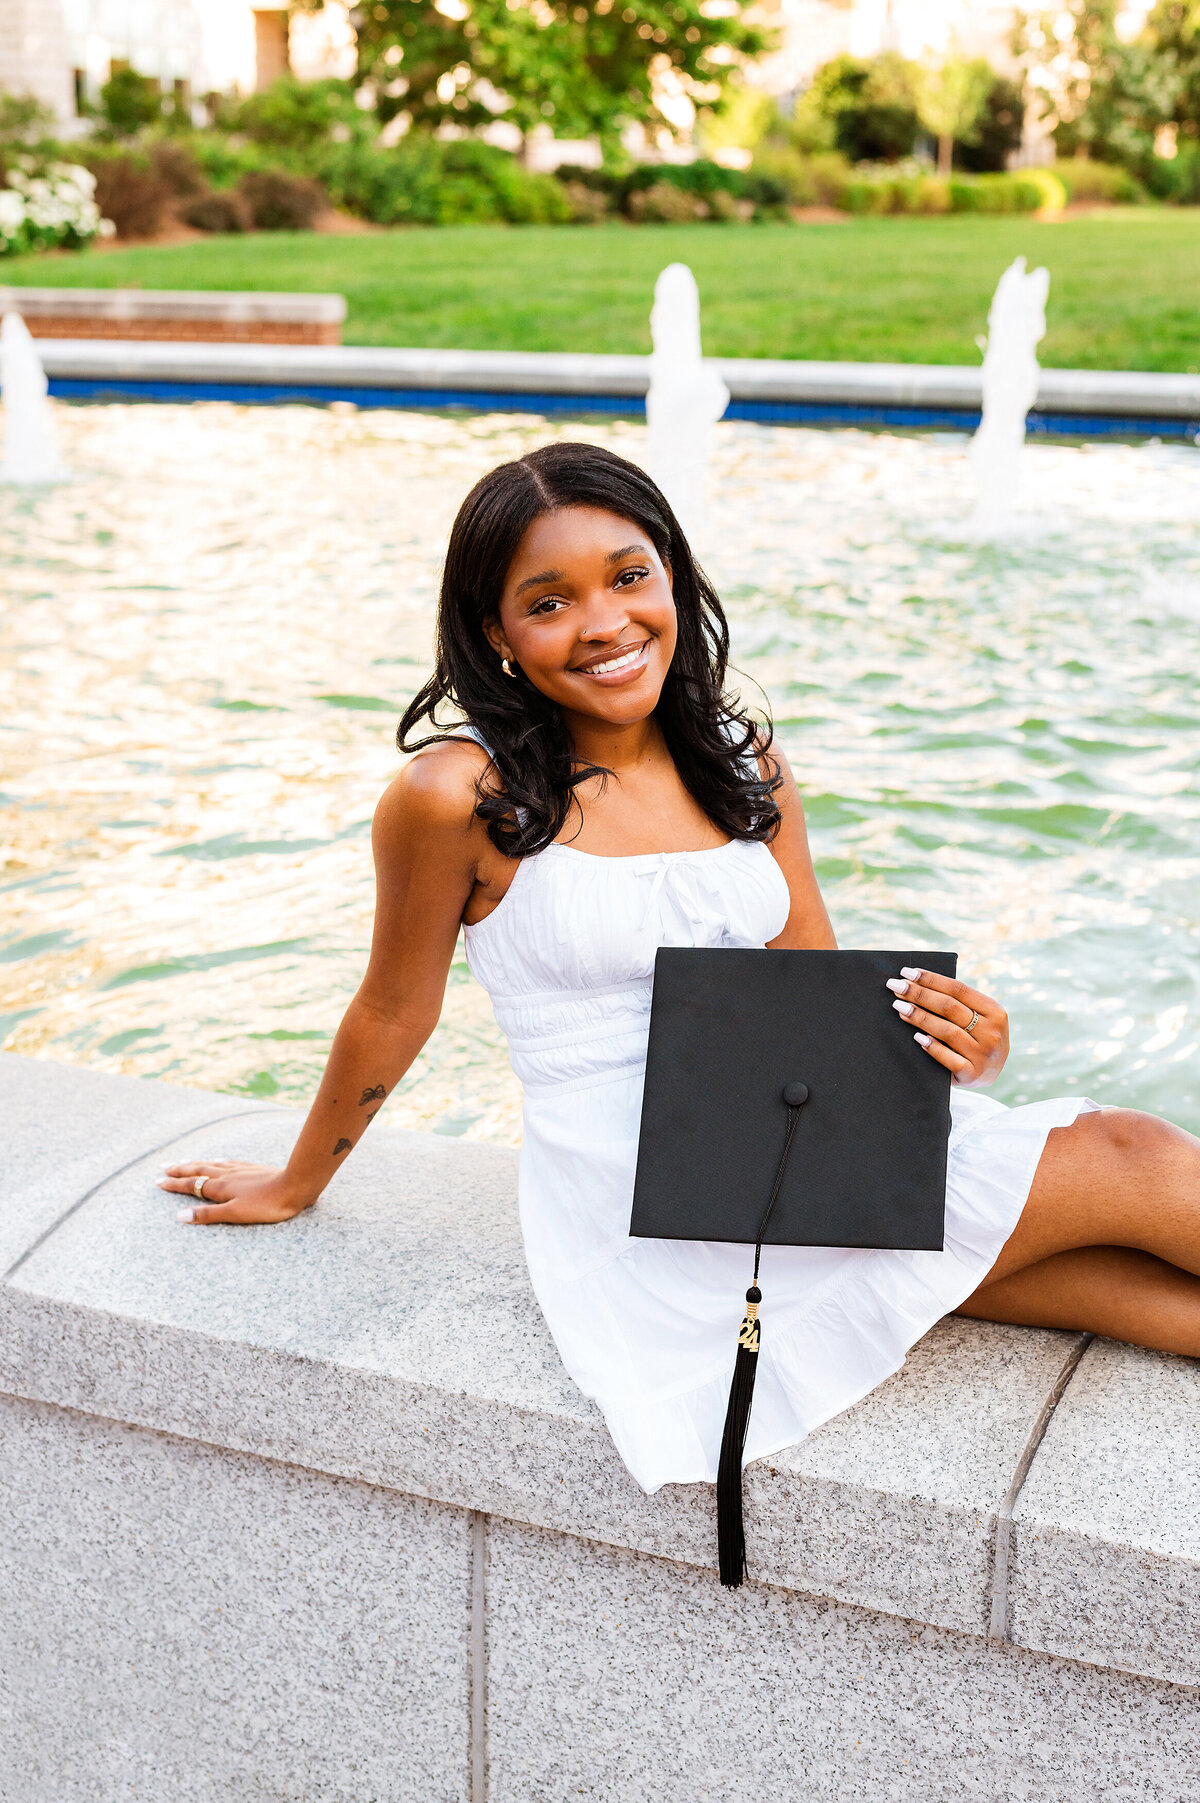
[(960, 1027), (235, 1192)]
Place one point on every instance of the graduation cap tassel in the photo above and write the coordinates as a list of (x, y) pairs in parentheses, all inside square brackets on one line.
[(731, 1536)]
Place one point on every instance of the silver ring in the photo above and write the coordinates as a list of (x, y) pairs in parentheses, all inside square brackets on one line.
[(970, 1024), (198, 1188)]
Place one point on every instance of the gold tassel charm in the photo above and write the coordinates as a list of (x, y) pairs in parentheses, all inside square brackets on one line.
[(749, 1334)]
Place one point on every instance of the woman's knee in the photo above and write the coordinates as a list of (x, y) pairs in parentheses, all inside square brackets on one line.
[(1106, 1149), (1121, 1147), (1088, 1187)]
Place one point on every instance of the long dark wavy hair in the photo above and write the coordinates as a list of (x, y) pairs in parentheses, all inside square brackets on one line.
[(525, 796)]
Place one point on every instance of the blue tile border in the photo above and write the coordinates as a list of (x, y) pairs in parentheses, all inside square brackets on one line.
[(789, 413)]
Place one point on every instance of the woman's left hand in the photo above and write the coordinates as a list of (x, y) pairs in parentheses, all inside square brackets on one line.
[(960, 1027)]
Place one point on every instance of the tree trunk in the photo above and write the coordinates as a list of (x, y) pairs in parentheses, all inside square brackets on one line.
[(945, 154)]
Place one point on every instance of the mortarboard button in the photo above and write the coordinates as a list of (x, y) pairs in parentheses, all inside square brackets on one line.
[(795, 1094)]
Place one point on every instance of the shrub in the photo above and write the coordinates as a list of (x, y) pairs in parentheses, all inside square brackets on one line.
[(726, 207), (280, 203), (1175, 179), (178, 168), (875, 191), (129, 102), (299, 115), (464, 200), (713, 191), (922, 194), (792, 170), (388, 187), (216, 211), (804, 181), (830, 173), (1084, 180), (131, 192), (667, 203), (50, 208), (588, 206), (984, 194), (1052, 196), (509, 190), (995, 194), (221, 160), (868, 194), (424, 181)]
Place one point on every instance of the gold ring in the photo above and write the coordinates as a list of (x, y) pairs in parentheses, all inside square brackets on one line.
[(198, 1188), (970, 1024)]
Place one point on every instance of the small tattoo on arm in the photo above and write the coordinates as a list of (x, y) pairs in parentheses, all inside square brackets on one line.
[(372, 1115), (372, 1095), (343, 1145)]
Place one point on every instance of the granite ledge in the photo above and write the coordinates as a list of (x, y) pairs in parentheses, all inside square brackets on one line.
[(1106, 1551), (390, 1335)]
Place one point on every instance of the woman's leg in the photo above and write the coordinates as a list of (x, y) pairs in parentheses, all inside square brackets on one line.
[(1114, 1178), (1114, 1205), (1100, 1289)]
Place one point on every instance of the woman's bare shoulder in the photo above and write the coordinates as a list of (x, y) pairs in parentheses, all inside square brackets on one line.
[(436, 791)]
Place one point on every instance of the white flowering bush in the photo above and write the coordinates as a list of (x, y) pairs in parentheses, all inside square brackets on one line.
[(50, 208)]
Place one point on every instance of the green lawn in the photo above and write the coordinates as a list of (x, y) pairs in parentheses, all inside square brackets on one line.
[(1124, 290)]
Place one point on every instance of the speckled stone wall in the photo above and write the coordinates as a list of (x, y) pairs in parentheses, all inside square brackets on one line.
[(616, 1676), (183, 1624)]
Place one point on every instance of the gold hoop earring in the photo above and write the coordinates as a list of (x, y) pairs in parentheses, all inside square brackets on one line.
[(507, 668)]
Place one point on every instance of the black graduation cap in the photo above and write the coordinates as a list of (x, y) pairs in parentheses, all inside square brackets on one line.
[(754, 1055)]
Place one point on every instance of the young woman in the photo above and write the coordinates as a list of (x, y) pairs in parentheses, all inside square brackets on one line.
[(599, 797)]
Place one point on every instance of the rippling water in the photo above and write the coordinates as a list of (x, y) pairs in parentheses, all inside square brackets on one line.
[(208, 635)]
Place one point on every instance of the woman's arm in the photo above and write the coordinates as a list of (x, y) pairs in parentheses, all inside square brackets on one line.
[(808, 927), (428, 849)]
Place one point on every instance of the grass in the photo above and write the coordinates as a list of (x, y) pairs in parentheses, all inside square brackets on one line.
[(1124, 290)]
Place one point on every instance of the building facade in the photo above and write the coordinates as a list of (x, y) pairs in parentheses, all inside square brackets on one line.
[(63, 51)]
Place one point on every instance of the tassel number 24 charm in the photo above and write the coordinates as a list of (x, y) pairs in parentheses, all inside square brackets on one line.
[(731, 1538)]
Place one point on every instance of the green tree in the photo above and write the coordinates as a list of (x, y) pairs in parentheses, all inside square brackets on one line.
[(870, 104), (1173, 33), (584, 69), (998, 129), (298, 115), (1110, 95), (128, 103), (951, 95)]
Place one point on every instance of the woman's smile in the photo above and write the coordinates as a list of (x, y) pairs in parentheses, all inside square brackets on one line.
[(625, 664)]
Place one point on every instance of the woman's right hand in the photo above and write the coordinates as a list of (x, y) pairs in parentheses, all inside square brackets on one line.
[(235, 1192)]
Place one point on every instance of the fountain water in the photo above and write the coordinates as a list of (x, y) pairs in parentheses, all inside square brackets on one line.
[(686, 398), (1016, 325), (31, 452)]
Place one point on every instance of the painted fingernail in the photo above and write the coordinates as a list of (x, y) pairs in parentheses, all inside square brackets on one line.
[(922, 1039), (185, 1215), (897, 985), (902, 1007), (906, 970)]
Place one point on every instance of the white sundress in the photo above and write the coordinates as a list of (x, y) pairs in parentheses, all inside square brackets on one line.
[(648, 1328)]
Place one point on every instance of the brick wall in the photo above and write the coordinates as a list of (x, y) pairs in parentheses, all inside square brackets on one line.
[(185, 331)]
